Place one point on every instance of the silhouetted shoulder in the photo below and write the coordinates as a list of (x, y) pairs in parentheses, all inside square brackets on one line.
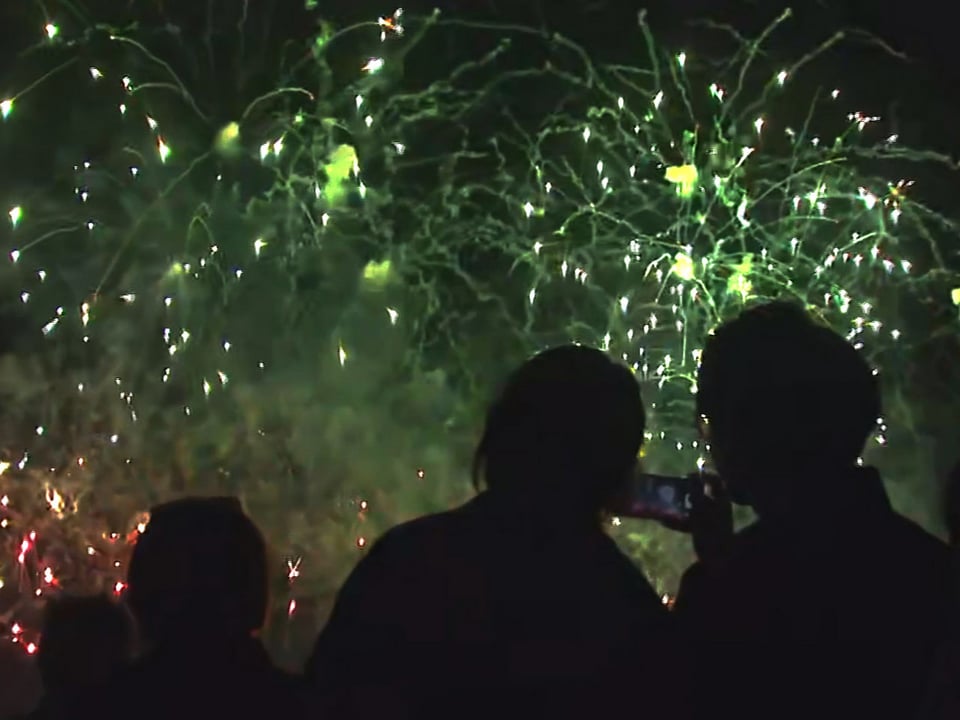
[(407, 565), (419, 541), (241, 683), (421, 530), (922, 540), (920, 553), (897, 536), (481, 522)]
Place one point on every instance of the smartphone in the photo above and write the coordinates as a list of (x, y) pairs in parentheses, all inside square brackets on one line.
[(657, 497)]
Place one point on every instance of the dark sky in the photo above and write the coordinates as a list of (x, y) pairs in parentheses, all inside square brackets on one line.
[(917, 90), (920, 28)]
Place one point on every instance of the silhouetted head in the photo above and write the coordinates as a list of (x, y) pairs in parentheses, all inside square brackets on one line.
[(85, 641), (567, 428), (785, 400), (199, 568)]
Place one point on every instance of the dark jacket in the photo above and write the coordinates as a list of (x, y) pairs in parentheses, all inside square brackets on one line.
[(489, 610), (20, 686), (198, 680), (942, 699), (836, 616), (55, 706)]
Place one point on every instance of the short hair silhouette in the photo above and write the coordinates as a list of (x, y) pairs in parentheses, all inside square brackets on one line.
[(84, 640), (200, 566), (569, 415), (788, 387)]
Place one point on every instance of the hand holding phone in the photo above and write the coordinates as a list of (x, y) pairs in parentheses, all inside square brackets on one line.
[(697, 504), (665, 498), (711, 521)]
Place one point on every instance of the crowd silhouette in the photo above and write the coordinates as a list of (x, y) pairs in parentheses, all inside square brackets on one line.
[(829, 605)]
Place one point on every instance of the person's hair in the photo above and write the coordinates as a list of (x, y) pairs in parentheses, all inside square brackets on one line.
[(200, 566), (777, 381), (569, 416), (84, 639)]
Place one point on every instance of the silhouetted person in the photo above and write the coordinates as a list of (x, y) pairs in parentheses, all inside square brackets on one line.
[(197, 587), (516, 603), (830, 605), (85, 641)]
